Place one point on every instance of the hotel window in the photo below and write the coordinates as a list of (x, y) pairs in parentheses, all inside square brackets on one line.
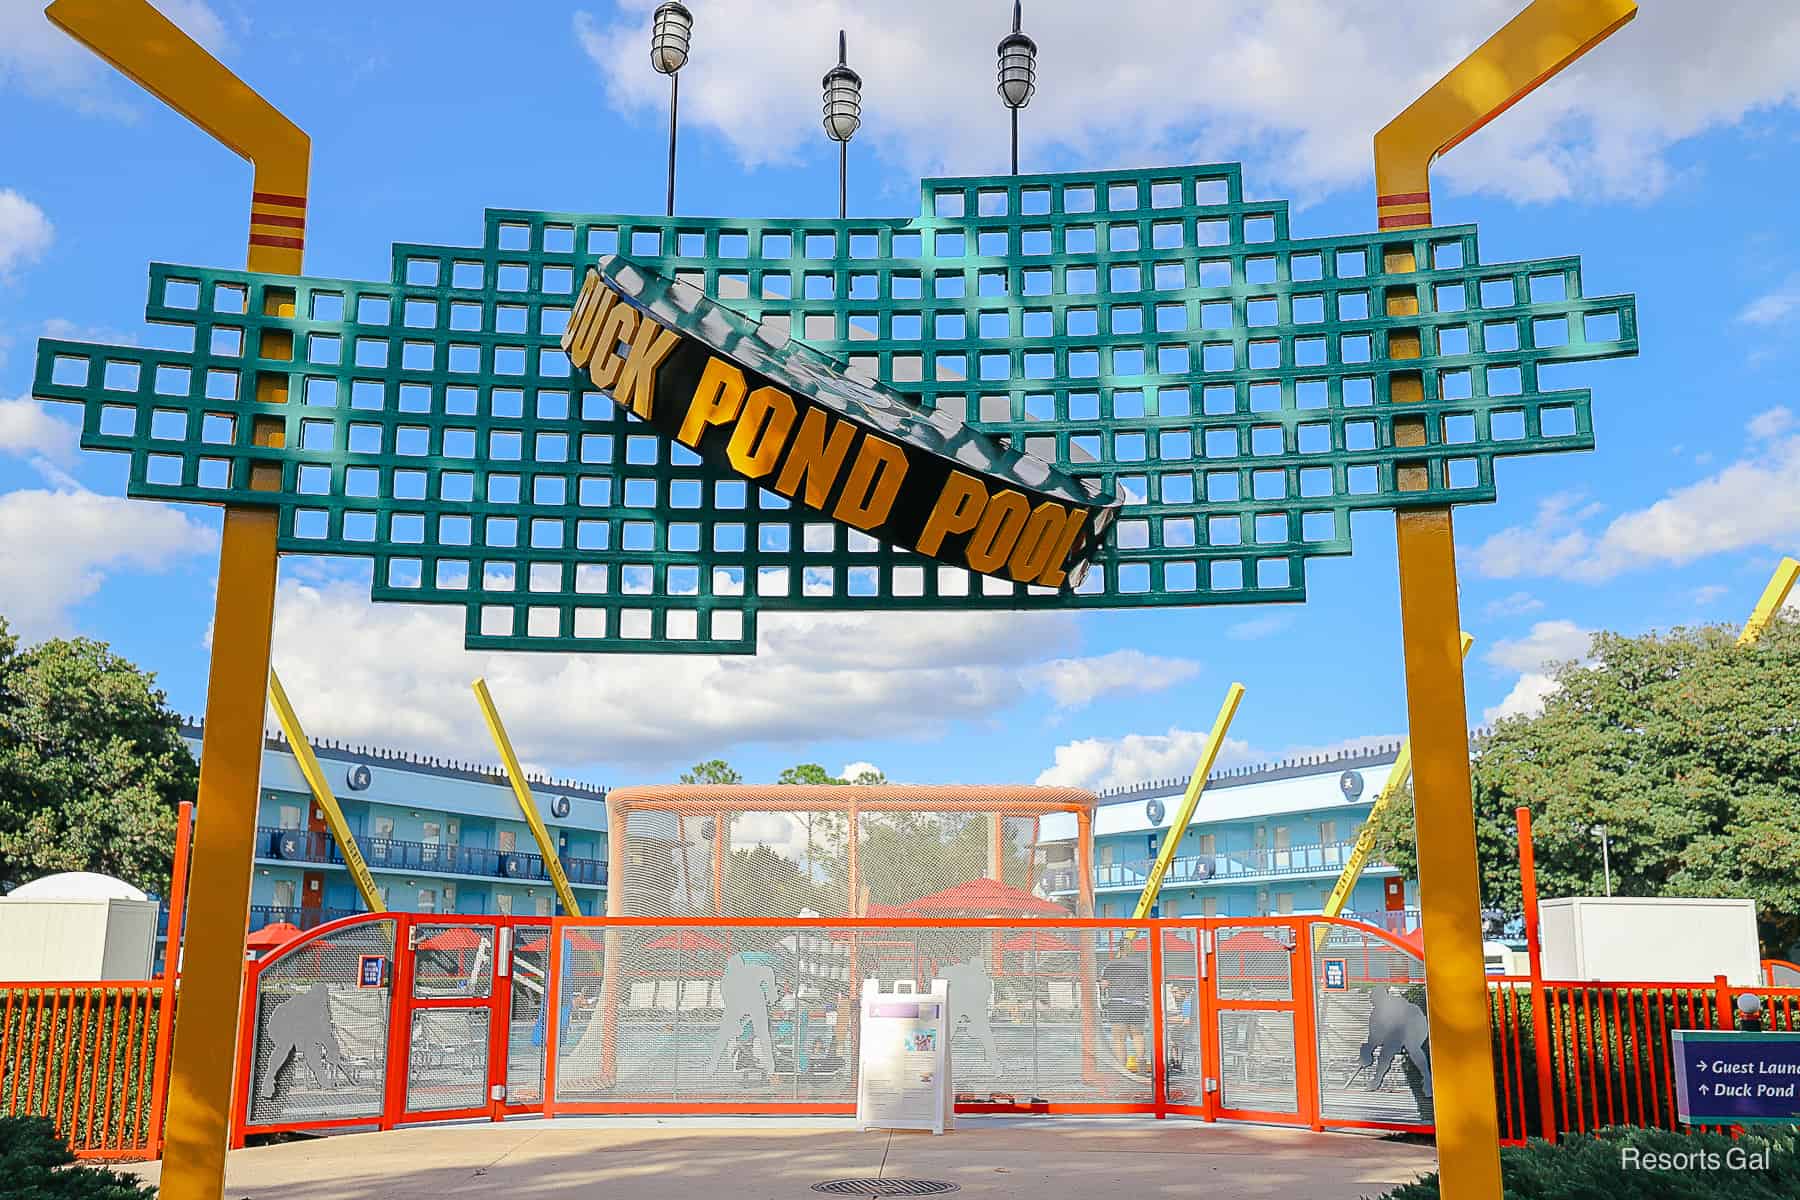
[(1327, 832), (1210, 906), (543, 906), (506, 840), (432, 834), (289, 817), (428, 900), (1284, 902), (1106, 856), (453, 832), (449, 897), (381, 827), (284, 893), (1281, 837), (503, 904), (1208, 844)]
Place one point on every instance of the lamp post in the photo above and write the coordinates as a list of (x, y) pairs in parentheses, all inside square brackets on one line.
[(1018, 76), (1599, 831), (670, 27), (843, 114)]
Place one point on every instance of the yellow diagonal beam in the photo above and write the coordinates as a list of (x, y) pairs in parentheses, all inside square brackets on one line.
[(515, 775), (1190, 800), (1773, 597), (1543, 39), (321, 791), (1365, 837)]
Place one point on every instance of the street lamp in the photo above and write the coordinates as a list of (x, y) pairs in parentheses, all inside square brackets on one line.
[(1599, 831), (670, 27), (1018, 76), (843, 114)]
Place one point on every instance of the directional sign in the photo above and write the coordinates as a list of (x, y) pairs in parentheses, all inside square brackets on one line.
[(1336, 975), (1737, 1078)]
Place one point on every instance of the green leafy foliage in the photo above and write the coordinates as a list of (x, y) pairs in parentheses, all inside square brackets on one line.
[(35, 1164), (713, 770), (92, 765), (1684, 746), (1643, 1164)]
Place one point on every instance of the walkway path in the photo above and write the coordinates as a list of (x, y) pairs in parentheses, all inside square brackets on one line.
[(725, 1159)]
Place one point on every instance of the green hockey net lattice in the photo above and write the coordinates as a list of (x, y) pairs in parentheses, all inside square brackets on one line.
[(1151, 329)]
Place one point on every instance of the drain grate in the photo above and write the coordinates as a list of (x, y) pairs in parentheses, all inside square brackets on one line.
[(885, 1187)]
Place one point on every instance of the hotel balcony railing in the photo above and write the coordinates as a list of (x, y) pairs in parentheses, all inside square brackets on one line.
[(1242, 866), (301, 918), (390, 854)]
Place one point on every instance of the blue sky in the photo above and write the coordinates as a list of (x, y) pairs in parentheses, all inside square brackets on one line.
[(1668, 161)]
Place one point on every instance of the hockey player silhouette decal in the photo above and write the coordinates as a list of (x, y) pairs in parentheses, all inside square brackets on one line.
[(302, 1025)]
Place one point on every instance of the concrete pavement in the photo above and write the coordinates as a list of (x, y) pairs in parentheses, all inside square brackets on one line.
[(1059, 1158)]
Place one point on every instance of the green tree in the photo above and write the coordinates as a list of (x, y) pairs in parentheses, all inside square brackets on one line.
[(92, 765), (713, 770), (1684, 746), (806, 773)]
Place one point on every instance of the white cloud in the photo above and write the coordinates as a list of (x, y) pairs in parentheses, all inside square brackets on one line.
[(41, 59), (1754, 501), (1135, 758), (1298, 87), (1707, 593), (1517, 604), (1259, 627), (27, 429), (1526, 699), (1548, 642), (25, 232), (1772, 308), (62, 545), (1771, 423), (1077, 682), (398, 673), (853, 769), (1141, 758)]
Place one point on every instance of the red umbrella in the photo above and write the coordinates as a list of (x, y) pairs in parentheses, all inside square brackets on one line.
[(456, 937), (1174, 942), (1039, 941), (686, 939), (980, 898), (270, 936), (1250, 941), (538, 939)]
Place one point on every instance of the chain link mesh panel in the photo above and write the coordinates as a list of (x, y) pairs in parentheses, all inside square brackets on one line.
[(447, 1059), (321, 1040), (1372, 1035), (453, 962), (1181, 1001), (528, 1015), (1256, 1061), (730, 1015), (1253, 963), (1152, 331), (774, 852)]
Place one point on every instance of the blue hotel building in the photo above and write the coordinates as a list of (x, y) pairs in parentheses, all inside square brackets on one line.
[(438, 837), (447, 837), (1265, 840)]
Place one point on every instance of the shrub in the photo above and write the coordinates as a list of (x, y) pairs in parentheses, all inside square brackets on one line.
[(35, 1164), (1668, 1166)]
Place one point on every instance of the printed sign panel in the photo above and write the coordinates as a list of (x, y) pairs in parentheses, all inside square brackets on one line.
[(1737, 1078)]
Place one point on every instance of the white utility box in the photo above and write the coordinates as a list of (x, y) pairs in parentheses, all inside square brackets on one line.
[(76, 927), (1644, 940)]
